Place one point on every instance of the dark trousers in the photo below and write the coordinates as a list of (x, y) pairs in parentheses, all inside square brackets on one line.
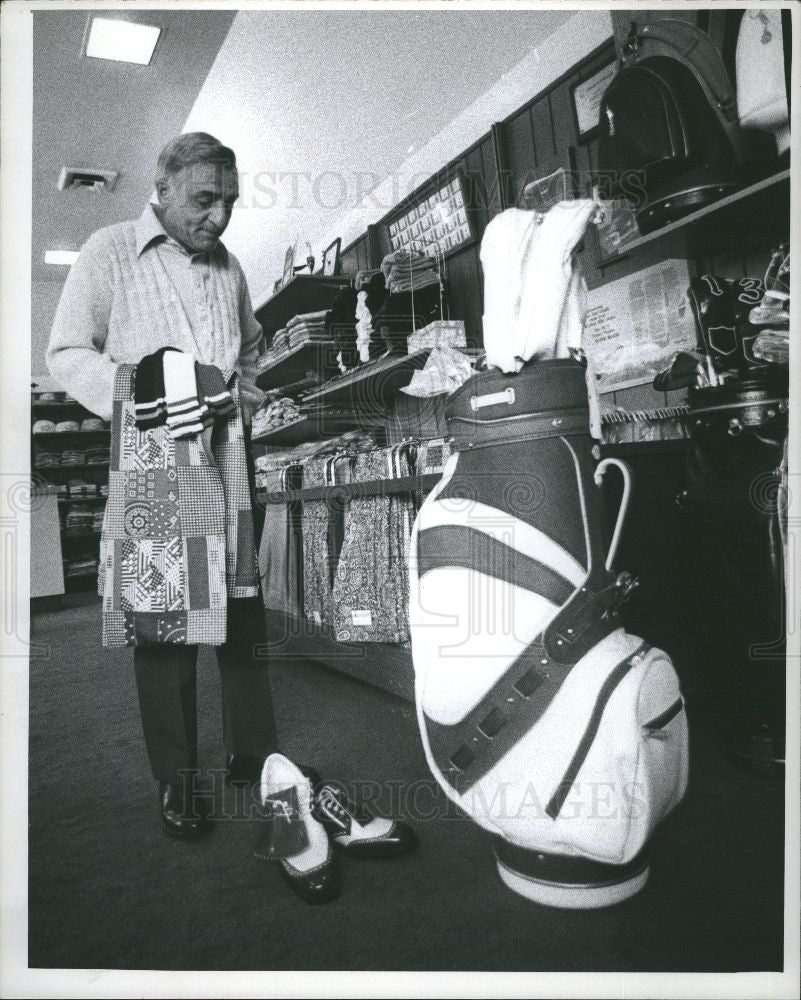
[(166, 681)]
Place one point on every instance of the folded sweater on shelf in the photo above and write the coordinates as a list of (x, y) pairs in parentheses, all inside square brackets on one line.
[(310, 317)]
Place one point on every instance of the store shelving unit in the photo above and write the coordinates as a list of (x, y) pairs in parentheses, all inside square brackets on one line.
[(373, 385), (291, 367), (761, 208), (304, 293), (711, 229), (74, 545), (344, 491), (312, 428)]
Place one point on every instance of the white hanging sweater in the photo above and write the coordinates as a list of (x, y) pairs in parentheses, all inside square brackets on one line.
[(534, 295), (119, 304)]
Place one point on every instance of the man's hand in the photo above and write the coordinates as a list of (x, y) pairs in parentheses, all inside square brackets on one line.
[(252, 398)]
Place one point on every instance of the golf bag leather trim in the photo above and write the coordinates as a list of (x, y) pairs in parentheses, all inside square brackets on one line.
[(557, 800)]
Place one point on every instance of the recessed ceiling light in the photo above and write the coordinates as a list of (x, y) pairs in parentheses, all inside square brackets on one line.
[(123, 41), (62, 258)]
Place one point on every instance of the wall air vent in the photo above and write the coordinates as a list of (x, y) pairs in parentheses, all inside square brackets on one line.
[(87, 179)]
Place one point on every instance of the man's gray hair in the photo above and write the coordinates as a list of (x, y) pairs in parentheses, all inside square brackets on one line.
[(189, 148)]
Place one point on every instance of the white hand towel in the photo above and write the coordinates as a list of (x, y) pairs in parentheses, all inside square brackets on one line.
[(533, 295)]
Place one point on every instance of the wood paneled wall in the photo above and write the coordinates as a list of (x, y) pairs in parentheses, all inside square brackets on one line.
[(533, 142)]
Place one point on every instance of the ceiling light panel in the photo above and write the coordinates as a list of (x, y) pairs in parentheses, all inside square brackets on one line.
[(122, 41), (61, 258)]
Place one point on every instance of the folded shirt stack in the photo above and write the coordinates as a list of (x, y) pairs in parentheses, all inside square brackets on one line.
[(98, 456), (43, 427), (73, 456), (63, 491), (80, 488), (97, 518), (308, 328), (103, 489), (79, 520), (92, 424), (275, 414), (308, 319), (45, 459), (67, 426), (276, 351), (405, 270), (281, 341), (303, 339)]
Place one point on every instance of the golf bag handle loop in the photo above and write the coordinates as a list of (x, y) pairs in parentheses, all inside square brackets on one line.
[(625, 471)]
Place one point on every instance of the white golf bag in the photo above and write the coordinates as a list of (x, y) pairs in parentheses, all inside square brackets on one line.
[(549, 724)]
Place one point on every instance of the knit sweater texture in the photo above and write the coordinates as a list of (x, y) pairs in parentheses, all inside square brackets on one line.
[(119, 305)]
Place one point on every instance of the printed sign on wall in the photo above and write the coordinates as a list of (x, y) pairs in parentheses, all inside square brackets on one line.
[(635, 325)]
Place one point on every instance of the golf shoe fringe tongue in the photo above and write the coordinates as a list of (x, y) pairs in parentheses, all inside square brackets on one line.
[(292, 834)]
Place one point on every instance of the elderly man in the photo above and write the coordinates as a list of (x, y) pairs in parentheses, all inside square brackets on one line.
[(177, 551)]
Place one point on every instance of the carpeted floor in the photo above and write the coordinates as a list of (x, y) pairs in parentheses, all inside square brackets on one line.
[(109, 890)]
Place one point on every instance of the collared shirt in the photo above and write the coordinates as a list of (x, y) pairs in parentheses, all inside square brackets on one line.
[(134, 290), (188, 272)]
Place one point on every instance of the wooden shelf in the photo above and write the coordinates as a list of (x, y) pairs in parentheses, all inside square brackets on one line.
[(59, 405), (304, 293), (319, 358), (712, 228), (67, 501), (314, 428), (78, 535), (47, 469), (69, 435), (344, 491), (372, 385), (80, 581)]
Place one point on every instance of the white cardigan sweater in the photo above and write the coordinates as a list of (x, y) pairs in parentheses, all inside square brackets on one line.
[(118, 304)]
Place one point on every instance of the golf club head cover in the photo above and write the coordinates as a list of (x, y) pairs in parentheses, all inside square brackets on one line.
[(540, 715), (722, 308)]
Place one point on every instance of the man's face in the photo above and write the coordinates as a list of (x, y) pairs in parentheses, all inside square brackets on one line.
[(196, 204)]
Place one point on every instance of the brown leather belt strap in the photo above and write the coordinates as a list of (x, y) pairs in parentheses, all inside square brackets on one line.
[(468, 432), (469, 749), (557, 800), (458, 545)]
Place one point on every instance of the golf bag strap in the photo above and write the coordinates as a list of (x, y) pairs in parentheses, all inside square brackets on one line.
[(456, 545), (614, 678), (469, 749)]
